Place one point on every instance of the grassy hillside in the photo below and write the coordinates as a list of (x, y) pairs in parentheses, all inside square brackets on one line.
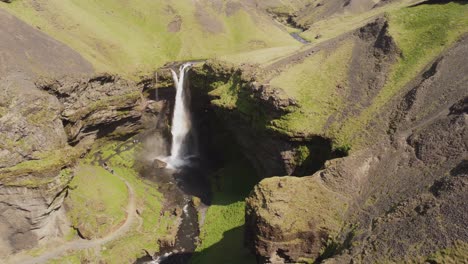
[(422, 33), (222, 234), (106, 199), (129, 37), (318, 92), (320, 82)]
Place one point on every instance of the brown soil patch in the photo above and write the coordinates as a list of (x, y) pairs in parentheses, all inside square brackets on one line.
[(26, 49), (175, 24), (208, 22)]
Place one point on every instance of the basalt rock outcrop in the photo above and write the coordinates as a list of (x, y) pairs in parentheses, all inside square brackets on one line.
[(398, 200), (247, 113), (101, 105), (45, 125)]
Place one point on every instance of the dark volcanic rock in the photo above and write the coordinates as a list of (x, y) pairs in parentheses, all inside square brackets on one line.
[(271, 153), (404, 197), (29, 122), (101, 105), (24, 48), (44, 127)]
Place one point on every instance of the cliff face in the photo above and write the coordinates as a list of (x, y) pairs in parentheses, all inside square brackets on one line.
[(45, 126), (398, 200), (246, 107), (373, 113)]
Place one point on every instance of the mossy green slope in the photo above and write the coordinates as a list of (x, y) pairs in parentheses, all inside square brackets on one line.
[(138, 36), (422, 33), (109, 191), (320, 82), (319, 85), (222, 233), (98, 201)]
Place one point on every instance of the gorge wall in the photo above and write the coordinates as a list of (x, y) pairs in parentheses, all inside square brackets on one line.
[(245, 108), (372, 113), (46, 126), (396, 200)]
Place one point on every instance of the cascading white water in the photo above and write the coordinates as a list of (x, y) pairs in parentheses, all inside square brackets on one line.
[(181, 123)]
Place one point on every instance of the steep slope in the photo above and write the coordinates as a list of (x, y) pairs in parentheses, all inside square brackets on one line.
[(387, 95), (128, 38), (28, 50), (381, 81), (398, 198), (44, 129), (404, 195), (33, 143)]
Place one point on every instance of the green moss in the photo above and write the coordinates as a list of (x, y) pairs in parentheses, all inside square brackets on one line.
[(151, 225), (234, 94), (97, 201), (302, 153), (47, 163), (132, 38), (319, 92), (342, 150), (422, 33), (227, 93), (222, 233)]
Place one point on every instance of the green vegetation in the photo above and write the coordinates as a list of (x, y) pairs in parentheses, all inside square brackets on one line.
[(47, 162), (227, 94), (233, 94), (456, 254), (319, 92), (97, 201), (138, 36), (302, 153), (345, 22), (421, 33), (222, 233), (150, 225)]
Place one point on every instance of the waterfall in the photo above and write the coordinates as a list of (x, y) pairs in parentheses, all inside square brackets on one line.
[(181, 123)]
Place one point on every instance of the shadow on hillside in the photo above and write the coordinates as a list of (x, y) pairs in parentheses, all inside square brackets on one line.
[(439, 2), (229, 250)]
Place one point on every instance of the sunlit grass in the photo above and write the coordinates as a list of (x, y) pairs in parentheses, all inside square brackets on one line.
[(150, 224), (421, 33), (132, 37), (222, 234), (318, 84), (97, 201)]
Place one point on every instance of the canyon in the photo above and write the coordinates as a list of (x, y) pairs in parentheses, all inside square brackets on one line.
[(348, 147)]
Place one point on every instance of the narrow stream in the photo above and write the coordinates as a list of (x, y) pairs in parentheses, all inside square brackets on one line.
[(183, 178), (178, 189)]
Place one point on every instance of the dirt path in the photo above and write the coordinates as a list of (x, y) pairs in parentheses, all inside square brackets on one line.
[(85, 244)]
